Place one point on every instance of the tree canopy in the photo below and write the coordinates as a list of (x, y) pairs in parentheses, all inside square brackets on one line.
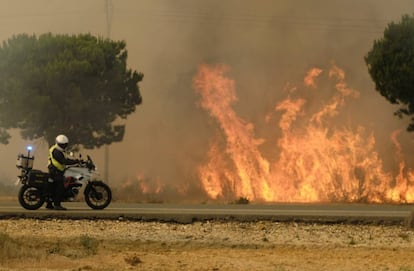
[(391, 66), (77, 85)]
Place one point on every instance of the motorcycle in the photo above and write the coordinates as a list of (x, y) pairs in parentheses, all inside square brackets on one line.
[(35, 191)]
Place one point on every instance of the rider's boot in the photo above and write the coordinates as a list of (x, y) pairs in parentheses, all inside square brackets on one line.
[(49, 205), (59, 208)]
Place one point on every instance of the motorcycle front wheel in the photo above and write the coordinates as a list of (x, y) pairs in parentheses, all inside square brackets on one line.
[(30, 197), (98, 195)]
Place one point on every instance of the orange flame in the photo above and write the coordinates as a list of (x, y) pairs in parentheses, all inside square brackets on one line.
[(316, 162), (142, 185), (251, 169), (311, 76)]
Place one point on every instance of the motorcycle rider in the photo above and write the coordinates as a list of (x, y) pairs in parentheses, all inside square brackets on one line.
[(58, 160)]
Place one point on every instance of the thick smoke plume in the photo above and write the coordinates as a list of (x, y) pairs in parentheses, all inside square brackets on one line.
[(268, 44)]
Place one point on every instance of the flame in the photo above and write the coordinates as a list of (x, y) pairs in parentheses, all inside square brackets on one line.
[(315, 162), (135, 189), (250, 168), (310, 77), (402, 191)]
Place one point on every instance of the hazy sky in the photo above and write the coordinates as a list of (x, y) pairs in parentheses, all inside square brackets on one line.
[(267, 43)]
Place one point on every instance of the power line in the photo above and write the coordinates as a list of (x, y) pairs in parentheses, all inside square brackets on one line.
[(108, 13), (345, 23), (190, 18)]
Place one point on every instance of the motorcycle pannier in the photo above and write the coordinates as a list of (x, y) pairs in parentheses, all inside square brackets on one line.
[(24, 162), (38, 178)]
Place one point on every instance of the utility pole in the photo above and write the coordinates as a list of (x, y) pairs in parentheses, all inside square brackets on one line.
[(108, 11)]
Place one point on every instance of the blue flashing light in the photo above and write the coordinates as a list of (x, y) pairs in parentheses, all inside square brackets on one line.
[(29, 148)]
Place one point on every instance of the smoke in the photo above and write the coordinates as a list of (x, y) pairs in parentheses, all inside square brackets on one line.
[(267, 44)]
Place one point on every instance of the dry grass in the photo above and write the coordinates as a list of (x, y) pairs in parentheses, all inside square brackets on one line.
[(18, 248), (80, 245), (37, 249)]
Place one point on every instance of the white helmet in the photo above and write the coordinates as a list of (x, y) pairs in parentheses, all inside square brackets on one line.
[(62, 141)]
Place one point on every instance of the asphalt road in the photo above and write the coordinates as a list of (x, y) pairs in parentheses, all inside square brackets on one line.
[(186, 213)]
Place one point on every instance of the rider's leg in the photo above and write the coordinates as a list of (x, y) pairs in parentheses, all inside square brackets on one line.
[(59, 191)]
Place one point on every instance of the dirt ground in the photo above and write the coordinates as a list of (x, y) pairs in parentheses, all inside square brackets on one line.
[(127, 245)]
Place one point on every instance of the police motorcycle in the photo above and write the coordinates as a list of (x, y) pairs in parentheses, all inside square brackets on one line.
[(34, 190)]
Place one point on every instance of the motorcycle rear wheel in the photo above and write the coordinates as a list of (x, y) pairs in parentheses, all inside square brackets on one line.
[(30, 197), (98, 195)]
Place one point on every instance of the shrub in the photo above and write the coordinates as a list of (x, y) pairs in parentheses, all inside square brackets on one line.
[(242, 200), (89, 244)]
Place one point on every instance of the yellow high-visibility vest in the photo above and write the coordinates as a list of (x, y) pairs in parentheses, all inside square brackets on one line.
[(53, 161)]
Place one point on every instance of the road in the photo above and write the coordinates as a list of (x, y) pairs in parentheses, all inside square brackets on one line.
[(187, 213)]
